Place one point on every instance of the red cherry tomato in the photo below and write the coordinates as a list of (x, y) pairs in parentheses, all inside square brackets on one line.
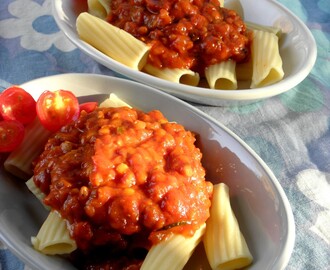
[(11, 135), (88, 106), (17, 104), (57, 109)]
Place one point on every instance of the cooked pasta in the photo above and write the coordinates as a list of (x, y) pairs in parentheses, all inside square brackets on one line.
[(99, 8), (225, 246), (222, 75), (36, 191), (266, 60), (184, 76), (272, 29), (114, 101), (244, 70), (172, 253), (234, 5), (112, 41), (19, 161), (54, 236)]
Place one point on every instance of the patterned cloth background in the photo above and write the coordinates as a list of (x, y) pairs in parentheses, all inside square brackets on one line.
[(291, 132)]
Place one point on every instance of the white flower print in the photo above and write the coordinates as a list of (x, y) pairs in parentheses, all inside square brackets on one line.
[(30, 26), (315, 185)]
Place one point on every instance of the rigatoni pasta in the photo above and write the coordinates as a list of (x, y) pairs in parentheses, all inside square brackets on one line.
[(266, 60), (225, 245), (173, 253), (54, 237), (272, 29), (19, 161), (113, 101), (99, 8), (222, 75), (178, 75), (233, 5), (112, 41), (36, 192), (244, 70)]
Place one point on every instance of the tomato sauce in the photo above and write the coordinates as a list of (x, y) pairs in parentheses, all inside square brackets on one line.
[(191, 34), (124, 179)]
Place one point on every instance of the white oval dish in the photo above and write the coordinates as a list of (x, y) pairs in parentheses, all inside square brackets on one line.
[(297, 48), (258, 200)]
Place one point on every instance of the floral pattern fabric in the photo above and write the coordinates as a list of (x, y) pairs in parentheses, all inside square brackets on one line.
[(290, 132)]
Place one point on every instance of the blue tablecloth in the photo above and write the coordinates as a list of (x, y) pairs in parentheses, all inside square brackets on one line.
[(291, 132)]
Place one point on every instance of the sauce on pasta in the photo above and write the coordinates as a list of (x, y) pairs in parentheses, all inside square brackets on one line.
[(190, 34), (125, 180)]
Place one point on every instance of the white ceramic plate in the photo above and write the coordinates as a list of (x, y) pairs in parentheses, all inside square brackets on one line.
[(261, 207), (297, 48)]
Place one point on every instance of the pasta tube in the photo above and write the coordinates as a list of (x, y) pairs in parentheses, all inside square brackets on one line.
[(53, 236), (178, 75), (99, 8), (114, 101), (272, 29), (244, 70), (19, 161), (234, 5), (112, 41), (172, 253), (222, 75), (36, 192), (266, 59), (224, 243)]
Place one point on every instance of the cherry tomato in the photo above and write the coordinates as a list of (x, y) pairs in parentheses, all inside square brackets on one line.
[(88, 106), (57, 109), (11, 135), (17, 104)]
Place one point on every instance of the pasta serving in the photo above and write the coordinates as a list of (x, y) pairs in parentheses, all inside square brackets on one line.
[(132, 184), (184, 41)]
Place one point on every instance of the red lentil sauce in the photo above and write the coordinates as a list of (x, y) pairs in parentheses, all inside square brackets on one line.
[(191, 34), (125, 180)]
